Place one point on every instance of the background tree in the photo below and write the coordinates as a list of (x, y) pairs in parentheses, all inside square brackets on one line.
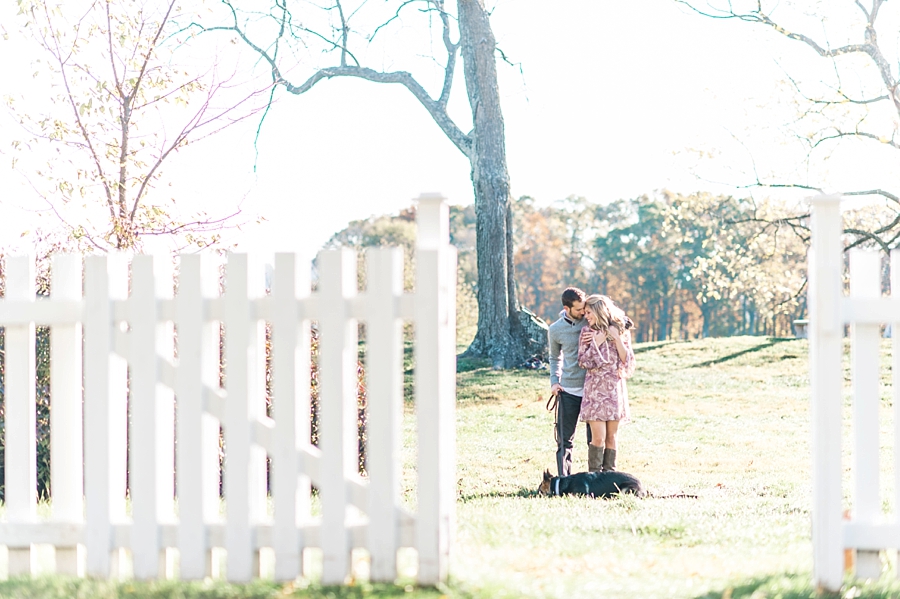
[(641, 254), (847, 107), (701, 265), (119, 107), (540, 252), (314, 41), (400, 231)]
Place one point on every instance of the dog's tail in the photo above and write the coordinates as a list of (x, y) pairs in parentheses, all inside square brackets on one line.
[(636, 490)]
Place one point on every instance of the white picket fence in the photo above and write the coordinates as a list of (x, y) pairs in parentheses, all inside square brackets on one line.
[(867, 531), (176, 406)]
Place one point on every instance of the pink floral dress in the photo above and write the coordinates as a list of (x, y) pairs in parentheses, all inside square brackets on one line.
[(605, 394)]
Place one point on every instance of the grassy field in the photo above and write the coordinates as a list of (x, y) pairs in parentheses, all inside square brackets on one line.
[(726, 420)]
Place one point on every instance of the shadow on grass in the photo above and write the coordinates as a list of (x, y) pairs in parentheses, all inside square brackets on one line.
[(465, 364), (781, 585), (799, 586), (769, 343), (61, 587), (656, 345), (522, 492)]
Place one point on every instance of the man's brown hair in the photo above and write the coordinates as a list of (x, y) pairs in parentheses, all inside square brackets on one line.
[(572, 295)]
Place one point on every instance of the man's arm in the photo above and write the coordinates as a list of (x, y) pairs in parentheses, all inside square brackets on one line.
[(555, 350)]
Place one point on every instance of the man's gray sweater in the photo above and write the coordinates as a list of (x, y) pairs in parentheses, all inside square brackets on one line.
[(563, 337)]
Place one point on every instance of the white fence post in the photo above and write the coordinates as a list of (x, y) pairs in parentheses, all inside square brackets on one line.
[(66, 422), (384, 378), (20, 449), (105, 415), (435, 388), (337, 406), (826, 381), (865, 283), (198, 432)]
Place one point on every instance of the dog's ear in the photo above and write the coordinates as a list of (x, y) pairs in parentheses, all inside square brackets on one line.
[(547, 476)]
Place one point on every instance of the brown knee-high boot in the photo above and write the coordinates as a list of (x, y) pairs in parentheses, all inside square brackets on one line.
[(595, 458), (609, 460)]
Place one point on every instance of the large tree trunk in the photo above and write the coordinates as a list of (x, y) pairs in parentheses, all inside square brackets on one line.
[(506, 334), (500, 335)]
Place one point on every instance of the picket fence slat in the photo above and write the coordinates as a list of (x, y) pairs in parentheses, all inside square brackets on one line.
[(134, 376), (197, 455), (337, 406), (144, 428), (20, 458), (384, 386), (895, 379), (245, 466), (66, 469), (105, 414), (291, 405), (865, 281), (152, 417)]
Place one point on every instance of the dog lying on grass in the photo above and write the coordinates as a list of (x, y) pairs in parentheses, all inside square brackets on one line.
[(594, 484)]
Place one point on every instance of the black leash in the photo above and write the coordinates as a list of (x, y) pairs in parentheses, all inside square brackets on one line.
[(553, 406), (552, 402)]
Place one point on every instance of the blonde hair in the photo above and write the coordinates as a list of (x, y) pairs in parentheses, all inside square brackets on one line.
[(607, 313)]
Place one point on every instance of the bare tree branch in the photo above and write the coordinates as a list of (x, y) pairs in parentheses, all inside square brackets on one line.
[(195, 123), (436, 108), (870, 48), (392, 19), (874, 192), (451, 54), (53, 46), (437, 112)]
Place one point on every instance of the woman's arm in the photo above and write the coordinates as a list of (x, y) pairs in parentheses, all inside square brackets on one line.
[(620, 346), (588, 352), (626, 366)]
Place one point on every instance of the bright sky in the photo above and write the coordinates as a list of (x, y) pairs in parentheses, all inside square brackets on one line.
[(611, 99)]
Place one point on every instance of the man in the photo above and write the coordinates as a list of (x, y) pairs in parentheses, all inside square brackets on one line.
[(566, 376)]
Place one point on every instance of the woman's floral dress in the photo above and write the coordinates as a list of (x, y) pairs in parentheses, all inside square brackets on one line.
[(605, 394)]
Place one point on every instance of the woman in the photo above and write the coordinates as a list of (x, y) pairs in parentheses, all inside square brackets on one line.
[(604, 351)]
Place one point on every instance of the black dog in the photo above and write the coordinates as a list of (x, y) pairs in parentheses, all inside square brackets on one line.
[(595, 484)]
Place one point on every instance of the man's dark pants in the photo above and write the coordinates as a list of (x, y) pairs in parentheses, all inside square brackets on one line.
[(567, 411)]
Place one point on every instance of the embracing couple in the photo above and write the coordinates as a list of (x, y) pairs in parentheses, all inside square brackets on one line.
[(590, 358)]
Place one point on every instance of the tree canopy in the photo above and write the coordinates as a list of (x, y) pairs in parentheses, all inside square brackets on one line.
[(121, 104)]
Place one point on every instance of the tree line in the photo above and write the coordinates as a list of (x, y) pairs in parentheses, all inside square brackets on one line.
[(682, 266)]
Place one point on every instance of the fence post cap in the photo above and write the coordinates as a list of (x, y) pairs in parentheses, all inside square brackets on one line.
[(431, 196), (825, 198), (432, 222)]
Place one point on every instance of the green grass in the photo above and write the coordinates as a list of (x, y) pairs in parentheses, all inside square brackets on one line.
[(724, 419)]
